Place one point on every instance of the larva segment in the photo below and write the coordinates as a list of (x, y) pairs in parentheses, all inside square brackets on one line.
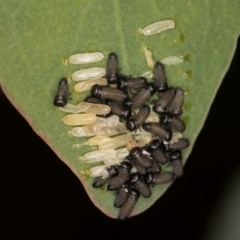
[(138, 184), (131, 83), (121, 195), (128, 206), (117, 109), (121, 178), (156, 149), (175, 159), (100, 181), (179, 145), (160, 79), (108, 93), (141, 97), (177, 102), (112, 68), (158, 130), (160, 178), (164, 101), (139, 158), (172, 122), (138, 120)]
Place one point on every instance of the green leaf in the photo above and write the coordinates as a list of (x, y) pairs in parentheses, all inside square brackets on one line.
[(36, 35)]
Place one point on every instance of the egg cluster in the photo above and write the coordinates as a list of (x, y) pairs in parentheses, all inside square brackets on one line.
[(134, 139)]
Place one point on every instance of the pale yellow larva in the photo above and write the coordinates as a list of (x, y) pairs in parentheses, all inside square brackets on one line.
[(79, 119), (148, 56), (116, 142), (98, 109), (88, 73), (82, 58), (158, 27), (87, 85)]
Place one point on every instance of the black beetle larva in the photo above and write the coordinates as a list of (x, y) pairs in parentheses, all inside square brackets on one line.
[(179, 145), (108, 93), (155, 168), (160, 178), (141, 97), (61, 97), (112, 68), (121, 195), (131, 83), (138, 184), (99, 181), (136, 154), (128, 206), (164, 101), (175, 158), (158, 130), (140, 169), (177, 102), (122, 112), (156, 149), (172, 122), (160, 79), (121, 178), (138, 120)]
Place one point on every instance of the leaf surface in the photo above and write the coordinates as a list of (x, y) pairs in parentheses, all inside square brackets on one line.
[(36, 35)]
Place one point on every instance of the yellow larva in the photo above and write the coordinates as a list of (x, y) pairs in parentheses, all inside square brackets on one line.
[(98, 156), (70, 108), (82, 58), (148, 74), (158, 27), (97, 128), (97, 140), (99, 109), (84, 131), (172, 60), (79, 119), (108, 156), (148, 56)]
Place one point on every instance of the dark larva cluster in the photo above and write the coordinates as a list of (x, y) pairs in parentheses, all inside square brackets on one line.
[(133, 100), (127, 99)]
